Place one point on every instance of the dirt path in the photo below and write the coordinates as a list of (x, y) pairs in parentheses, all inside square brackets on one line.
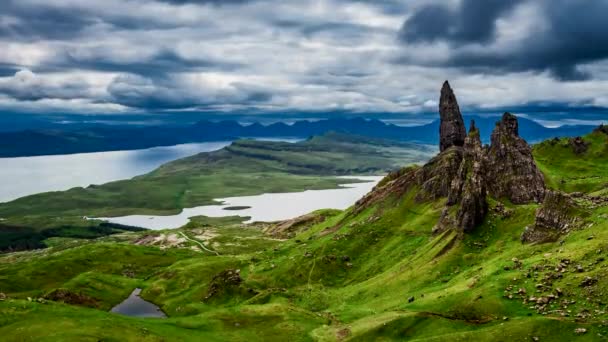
[(198, 243)]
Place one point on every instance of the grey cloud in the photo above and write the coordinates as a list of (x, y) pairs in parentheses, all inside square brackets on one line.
[(161, 94), (27, 86), (7, 70), (575, 35), (41, 22), (160, 64), (473, 21)]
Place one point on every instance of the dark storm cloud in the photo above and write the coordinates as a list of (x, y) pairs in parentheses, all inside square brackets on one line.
[(41, 22), (473, 21), (576, 33)]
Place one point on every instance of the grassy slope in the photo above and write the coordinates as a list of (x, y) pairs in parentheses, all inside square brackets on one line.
[(352, 282), (244, 168)]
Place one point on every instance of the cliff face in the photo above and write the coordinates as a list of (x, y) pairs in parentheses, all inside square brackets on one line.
[(512, 172)]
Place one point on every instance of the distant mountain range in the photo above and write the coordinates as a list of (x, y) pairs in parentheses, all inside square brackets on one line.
[(109, 138)]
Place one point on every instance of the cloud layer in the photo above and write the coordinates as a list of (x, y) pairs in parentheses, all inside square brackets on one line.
[(318, 55)]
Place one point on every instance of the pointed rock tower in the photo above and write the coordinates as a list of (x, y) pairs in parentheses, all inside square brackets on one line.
[(451, 131)]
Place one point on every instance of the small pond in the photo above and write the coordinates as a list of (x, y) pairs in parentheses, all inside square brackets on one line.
[(135, 306)]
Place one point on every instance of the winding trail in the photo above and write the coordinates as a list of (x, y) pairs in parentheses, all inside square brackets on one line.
[(198, 243)]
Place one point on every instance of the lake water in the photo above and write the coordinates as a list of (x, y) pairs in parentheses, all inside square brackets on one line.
[(266, 207), (135, 306), (25, 176)]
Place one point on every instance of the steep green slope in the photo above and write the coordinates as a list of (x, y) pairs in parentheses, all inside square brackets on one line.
[(570, 171), (374, 272)]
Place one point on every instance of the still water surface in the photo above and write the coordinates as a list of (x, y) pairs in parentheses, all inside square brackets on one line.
[(30, 175), (266, 207), (135, 306)]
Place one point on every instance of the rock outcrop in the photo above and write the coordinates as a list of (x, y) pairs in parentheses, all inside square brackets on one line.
[(466, 172), (73, 298), (468, 189), (578, 145), (601, 129), (557, 215), (512, 172), (224, 283), (289, 228), (451, 131)]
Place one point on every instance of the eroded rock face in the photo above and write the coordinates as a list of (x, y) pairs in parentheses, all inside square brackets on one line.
[(223, 282), (73, 298), (289, 228), (578, 145), (451, 131), (601, 129), (435, 177), (512, 172), (557, 215), (468, 188)]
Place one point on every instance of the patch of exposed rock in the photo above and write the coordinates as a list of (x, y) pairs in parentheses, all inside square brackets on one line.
[(601, 129), (512, 172), (557, 215), (69, 297), (578, 145), (223, 283), (451, 131), (289, 228)]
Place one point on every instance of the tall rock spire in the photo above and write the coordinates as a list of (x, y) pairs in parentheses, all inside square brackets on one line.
[(451, 131)]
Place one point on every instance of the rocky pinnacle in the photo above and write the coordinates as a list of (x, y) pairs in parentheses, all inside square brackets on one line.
[(451, 131)]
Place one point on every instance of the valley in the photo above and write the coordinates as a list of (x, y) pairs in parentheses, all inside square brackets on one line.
[(505, 242)]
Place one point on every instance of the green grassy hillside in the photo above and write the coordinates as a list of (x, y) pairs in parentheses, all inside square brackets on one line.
[(376, 274), (246, 167)]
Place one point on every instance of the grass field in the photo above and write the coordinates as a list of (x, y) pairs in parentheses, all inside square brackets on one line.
[(377, 275), (246, 167)]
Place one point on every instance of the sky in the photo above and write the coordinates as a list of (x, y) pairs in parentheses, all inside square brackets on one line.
[(261, 56)]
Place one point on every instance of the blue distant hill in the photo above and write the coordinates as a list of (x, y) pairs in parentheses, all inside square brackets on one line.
[(109, 138)]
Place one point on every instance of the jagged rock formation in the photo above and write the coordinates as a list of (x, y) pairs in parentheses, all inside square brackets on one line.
[(578, 145), (557, 215), (512, 172), (223, 283), (468, 190), (435, 177), (601, 129), (465, 172), (451, 131)]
